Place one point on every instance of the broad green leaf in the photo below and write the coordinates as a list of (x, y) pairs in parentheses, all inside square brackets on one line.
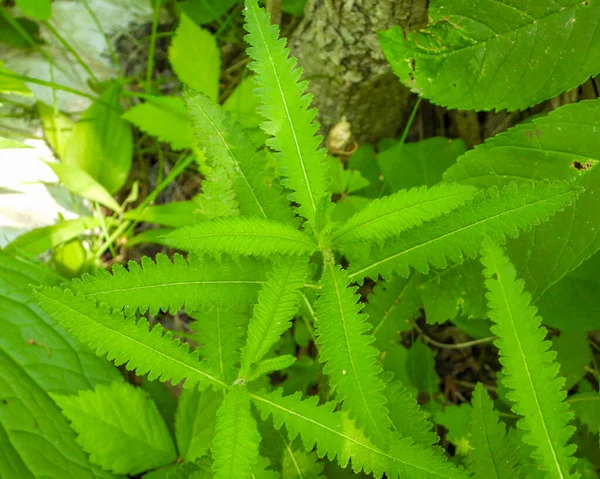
[(572, 303), (175, 213), (407, 165), (394, 361), (285, 105), (337, 437), (563, 145), (11, 37), (530, 371), (364, 160), (493, 455), (420, 366), (344, 180), (218, 196), (457, 235), (267, 366), (165, 118), (33, 432), (102, 142), (195, 422), (119, 426), (587, 409), (9, 143), (455, 290), (241, 235), (58, 128), (81, 183), (391, 306), (235, 445), (499, 55), (39, 9), (39, 240), (573, 353), (196, 58), (299, 464), (37, 358)]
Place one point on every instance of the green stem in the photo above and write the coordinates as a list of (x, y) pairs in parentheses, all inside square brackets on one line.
[(174, 173), (70, 49), (410, 121), (113, 53), (54, 86), (152, 50)]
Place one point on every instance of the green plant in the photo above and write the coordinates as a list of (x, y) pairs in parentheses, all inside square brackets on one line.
[(271, 251)]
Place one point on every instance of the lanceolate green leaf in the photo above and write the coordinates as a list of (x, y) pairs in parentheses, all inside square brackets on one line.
[(168, 286), (277, 305), (457, 236), (228, 147), (115, 418), (337, 437), (498, 54), (563, 145), (220, 330), (493, 455), (391, 215), (127, 341), (241, 236), (235, 446), (350, 360), (289, 121), (530, 369)]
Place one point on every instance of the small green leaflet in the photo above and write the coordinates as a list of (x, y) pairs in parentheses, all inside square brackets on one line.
[(498, 54), (39, 9)]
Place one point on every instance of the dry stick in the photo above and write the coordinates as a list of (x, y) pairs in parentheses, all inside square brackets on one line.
[(467, 344), (274, 9)]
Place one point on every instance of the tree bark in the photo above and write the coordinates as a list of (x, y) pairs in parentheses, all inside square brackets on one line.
[(337, 46)]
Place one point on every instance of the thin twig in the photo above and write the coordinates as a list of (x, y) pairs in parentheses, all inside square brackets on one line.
[(467, 344)]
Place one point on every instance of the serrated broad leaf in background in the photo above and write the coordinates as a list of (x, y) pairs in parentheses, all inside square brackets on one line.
[(175, 213), (235, 445), (195, 422), (574, 354), (164, 118), (119, 426), (289, 120), (530, 370), (242, 104), (196, 58), (563, 145), (36, 438), (498, 55), (243, 236), (190, 283), (407, 165), (572, 303), (102, 142), (457, 236)]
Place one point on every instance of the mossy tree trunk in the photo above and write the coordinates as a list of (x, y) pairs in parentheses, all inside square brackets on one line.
[(337, 45)]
